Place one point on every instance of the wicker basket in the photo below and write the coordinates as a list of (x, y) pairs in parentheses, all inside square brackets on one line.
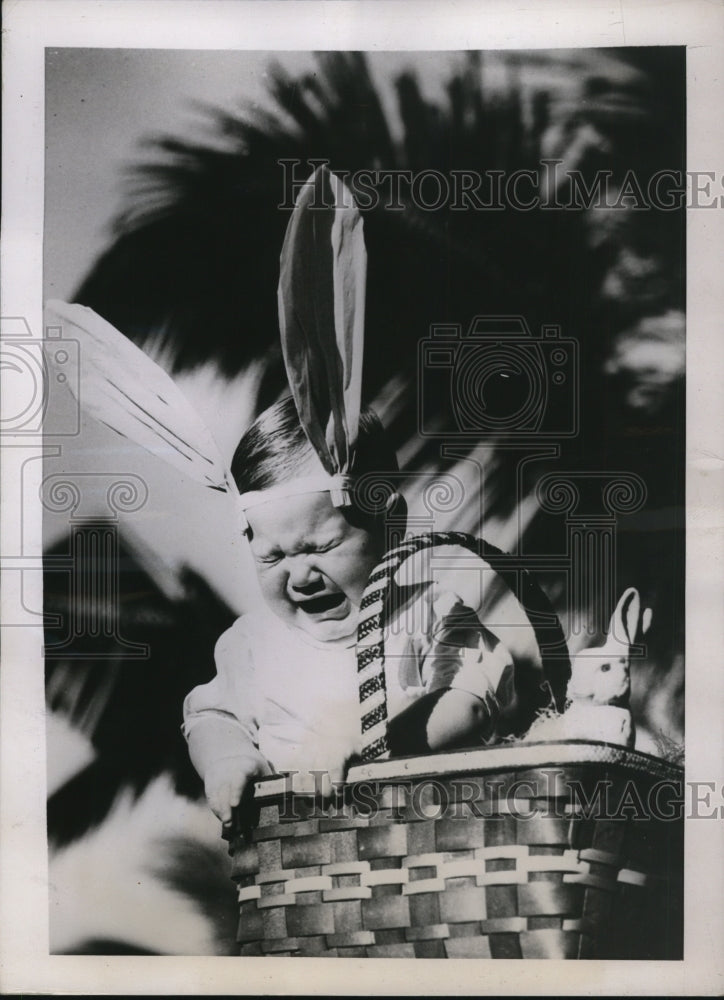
[(520, 850)]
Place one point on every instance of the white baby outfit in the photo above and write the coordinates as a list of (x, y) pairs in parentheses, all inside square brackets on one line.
[(293, 701)]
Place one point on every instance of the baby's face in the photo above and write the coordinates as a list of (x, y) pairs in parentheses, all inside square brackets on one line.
[(312, 563)]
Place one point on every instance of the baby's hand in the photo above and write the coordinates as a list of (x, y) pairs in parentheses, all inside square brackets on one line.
[(455, 629), (225, 781)]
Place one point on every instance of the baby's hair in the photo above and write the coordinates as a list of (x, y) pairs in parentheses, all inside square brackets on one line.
[(275, 448)]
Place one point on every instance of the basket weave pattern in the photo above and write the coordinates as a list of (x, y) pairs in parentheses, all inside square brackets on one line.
[(530, 878), (442, 867)]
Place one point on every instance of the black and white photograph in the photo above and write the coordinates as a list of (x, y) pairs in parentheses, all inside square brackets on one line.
[(358, 428)]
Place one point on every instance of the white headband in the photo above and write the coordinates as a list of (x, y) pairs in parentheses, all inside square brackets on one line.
[(339, 488)]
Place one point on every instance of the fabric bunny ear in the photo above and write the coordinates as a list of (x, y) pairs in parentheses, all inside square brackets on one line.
[(321, 300), (122, 387)]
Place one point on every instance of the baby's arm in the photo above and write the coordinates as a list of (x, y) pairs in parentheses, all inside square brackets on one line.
[(464, 669), (458, 718), (220, 727), (446, 718), (226, 760)]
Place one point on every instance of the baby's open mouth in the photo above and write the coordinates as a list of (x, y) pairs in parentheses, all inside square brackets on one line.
[(325, 602)]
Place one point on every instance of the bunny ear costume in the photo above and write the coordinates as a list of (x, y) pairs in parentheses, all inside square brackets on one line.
[(256, 705), (321, 317), (321, 298)]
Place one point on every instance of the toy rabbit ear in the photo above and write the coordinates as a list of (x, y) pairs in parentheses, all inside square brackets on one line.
[(121, 386), (646, 621), (321, 299), (625, 619)]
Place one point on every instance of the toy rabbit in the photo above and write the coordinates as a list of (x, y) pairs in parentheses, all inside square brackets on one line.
[(598, 692)]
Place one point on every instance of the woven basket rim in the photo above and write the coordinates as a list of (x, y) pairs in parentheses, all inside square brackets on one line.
[(501, 757)]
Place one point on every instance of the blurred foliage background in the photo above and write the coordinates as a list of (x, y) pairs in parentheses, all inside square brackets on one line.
[(190, 273)]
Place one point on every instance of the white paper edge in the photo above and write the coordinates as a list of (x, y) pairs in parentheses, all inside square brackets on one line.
[(29, 26)]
